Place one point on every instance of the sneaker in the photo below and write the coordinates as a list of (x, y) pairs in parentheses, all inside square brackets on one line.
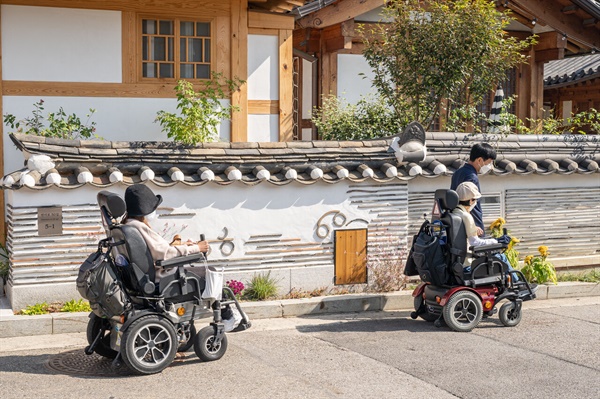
[(231, 323)]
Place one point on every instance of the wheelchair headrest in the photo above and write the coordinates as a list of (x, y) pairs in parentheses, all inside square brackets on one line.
[(111, 203), (446, 199)]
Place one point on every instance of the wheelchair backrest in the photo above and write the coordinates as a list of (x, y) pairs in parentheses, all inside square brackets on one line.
[(447, 200), (131, 254)]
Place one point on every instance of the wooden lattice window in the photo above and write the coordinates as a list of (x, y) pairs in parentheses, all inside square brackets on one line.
[(175, 49)]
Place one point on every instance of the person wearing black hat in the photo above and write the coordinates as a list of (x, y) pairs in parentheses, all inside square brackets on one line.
[(141, 207)]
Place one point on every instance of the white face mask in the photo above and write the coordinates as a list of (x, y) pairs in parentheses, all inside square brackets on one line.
[(485, 168), (152, 216)]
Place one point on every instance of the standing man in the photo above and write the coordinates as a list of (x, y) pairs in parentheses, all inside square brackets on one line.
[(480, 161)]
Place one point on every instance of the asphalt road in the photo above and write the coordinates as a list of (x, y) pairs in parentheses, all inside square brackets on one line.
[(553, 353)]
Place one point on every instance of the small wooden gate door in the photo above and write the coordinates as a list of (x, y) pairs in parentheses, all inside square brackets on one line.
[(350, 256)]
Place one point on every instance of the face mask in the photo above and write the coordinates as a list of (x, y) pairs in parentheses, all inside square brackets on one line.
[(152, 216), (485, 168)]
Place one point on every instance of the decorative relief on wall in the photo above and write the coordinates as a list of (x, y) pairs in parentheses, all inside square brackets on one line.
[(322, 229), (227, 246)]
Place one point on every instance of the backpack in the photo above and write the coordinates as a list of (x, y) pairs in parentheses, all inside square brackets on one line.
[(98, 283), (429, 257)]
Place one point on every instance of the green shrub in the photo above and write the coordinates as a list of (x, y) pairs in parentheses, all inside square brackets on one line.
[(37, 309), (4, 265), (60, 125), (261, 287), (369, 118), (76, 306), (201, 112)]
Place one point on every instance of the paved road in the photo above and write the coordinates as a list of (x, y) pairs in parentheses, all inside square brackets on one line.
[(553, 353)]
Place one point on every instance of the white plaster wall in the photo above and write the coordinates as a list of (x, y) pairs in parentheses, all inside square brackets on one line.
[(263, 128), (117, 119), (60, 44), (374, 15), (350, 85), (263, 67), (292, 210)]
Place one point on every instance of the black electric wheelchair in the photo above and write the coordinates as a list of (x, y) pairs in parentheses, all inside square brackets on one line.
[(456, 296), (158, 318)]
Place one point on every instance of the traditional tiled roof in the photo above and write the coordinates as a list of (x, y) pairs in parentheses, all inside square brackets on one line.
[(572, 70), (98, 163)]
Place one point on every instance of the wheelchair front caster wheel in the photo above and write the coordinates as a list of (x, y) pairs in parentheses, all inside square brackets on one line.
[(438, 323), (413, 315)]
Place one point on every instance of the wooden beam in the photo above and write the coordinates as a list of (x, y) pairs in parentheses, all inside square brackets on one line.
[(239, 69), (339, 12), (549, 41), (550, 54), (180, 7), (286, 86), (257, 19), (572, 9), (550, 13), (263, 107), (2, 138), (129, 40)]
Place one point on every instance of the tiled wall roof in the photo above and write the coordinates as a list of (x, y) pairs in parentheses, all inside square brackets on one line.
[(571, 70), (104, 163)]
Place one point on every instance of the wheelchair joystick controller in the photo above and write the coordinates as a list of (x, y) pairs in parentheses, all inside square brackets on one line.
[(202, 238)]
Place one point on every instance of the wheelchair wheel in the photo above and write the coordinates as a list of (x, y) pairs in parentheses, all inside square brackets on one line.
[(99, 325), (149, 345), (508, 314), (425, 315), (188, 332), (463, 311), (204, 345)]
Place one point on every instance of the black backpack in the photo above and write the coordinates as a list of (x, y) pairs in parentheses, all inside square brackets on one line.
[(429, 257), (98, 283)]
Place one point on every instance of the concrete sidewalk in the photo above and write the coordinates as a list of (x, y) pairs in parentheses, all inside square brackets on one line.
[(62, 323)]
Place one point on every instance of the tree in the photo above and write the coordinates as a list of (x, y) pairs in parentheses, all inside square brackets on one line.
[(454, 50)]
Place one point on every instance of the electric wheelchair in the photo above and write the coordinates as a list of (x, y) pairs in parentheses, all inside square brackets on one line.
[(458, 296), (158, 318)]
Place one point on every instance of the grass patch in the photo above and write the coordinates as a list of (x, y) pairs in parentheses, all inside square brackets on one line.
[(590, 276), (261, 286), (56, 307)]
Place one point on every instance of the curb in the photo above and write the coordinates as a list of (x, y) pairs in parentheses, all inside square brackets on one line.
[(61, 323)]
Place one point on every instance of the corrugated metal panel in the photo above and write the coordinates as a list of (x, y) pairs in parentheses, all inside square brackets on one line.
[(52, 259), (387, 204), (419, 203), (564, 219)]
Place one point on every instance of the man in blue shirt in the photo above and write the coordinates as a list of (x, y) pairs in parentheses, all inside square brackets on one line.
[(480, 161)]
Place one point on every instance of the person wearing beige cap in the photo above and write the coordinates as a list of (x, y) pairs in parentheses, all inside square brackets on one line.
[(467, 198)]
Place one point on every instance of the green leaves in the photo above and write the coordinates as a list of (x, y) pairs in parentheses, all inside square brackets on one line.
[(60, 125), (454, 50), (370, 118), (200, 112)]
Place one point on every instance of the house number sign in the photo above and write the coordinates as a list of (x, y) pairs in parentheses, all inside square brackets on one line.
[(49, 221)]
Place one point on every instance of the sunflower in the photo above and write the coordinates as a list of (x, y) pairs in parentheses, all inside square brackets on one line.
[(513, 241), (497, 224), (528, 259), (543, 250)]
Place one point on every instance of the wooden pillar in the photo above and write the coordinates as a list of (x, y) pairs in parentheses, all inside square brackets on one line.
[(239, 68), (2, 137), (286, 85)]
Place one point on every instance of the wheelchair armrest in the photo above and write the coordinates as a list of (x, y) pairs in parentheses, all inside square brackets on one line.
[(487, 249), (179, 261)]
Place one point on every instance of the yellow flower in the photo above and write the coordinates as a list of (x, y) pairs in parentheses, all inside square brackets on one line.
[(543, 250), (513, 241), (497, 224), (528, 259)]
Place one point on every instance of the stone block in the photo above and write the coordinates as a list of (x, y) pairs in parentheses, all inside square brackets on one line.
[(69, 322), (573, 289), (263, 310), (400, 300), (18, 326), (332, 304)]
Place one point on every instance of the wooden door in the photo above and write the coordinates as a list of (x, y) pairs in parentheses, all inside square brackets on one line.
[(351, 256)]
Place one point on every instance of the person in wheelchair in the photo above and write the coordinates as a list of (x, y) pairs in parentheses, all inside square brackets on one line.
[(468, 194), (141, 205)]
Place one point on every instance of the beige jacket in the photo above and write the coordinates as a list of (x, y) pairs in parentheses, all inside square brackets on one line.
[(160, 248)]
